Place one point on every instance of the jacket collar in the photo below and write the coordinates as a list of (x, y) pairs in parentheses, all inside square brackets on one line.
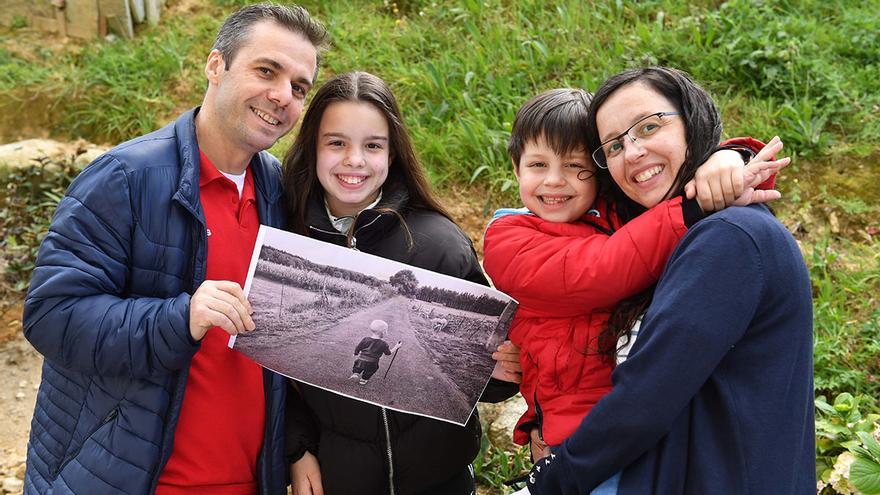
[(263, 166), (369, 225)]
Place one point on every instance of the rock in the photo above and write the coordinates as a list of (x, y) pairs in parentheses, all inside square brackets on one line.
[(25, 153), (501, 430), (834, 222), (19, 396), (12, 485), (19, 471)]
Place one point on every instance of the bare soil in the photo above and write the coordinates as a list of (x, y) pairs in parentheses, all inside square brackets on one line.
[(19, 378)]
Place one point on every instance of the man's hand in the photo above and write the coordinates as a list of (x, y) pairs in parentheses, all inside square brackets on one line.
[(219, 303), (306, 476), (507, 367), (539, 449)]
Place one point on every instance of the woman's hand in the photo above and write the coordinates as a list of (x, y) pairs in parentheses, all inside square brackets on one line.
[(539, 449), (722, 181), (507, 367), (306, 476)]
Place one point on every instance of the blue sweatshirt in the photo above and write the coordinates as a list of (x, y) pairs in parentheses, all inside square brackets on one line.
[(717, 393)]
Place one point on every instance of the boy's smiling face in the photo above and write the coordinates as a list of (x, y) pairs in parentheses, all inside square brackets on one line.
[(555, 188)]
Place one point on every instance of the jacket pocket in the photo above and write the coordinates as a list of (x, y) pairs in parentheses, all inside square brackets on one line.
[(72, 455)]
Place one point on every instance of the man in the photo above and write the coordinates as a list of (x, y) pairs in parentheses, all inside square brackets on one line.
[(138, 286)]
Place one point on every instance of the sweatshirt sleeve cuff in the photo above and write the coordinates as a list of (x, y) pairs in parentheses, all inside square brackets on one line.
[(691, 212)]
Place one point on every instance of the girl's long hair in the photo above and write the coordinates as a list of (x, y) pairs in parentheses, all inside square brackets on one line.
[(702, 134), (404, 170)]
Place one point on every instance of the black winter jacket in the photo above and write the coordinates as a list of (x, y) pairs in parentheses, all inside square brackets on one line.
[(349, 437)]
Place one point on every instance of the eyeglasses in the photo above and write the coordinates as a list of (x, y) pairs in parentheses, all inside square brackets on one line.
[(644, 129)]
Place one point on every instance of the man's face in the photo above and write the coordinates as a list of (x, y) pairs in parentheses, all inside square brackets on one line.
[(260, 96)]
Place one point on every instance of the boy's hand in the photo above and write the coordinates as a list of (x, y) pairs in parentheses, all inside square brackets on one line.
[(722, 181), (507, 367), (759, 169), (305, 475), (539, 449)]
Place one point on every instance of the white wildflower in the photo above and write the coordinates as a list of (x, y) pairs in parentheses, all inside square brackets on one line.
[(839, 479)]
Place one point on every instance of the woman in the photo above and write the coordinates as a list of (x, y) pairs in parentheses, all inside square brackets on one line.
[(716, 395), (353, 179)]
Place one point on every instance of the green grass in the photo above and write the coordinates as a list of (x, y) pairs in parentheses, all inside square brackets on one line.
[(847, 319)]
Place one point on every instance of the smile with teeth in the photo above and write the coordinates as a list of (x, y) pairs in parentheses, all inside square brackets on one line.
[(351, 179), (554, 200), (647, 174), (266, 117)]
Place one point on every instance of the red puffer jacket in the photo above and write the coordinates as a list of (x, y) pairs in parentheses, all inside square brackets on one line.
[(568, 277)]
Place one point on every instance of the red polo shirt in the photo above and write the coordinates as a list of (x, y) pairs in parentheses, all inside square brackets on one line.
[(220, 431)]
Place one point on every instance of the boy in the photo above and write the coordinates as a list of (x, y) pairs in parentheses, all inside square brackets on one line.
[(369, 350)]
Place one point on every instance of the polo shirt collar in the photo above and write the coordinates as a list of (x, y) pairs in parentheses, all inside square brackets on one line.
[(208, 171)]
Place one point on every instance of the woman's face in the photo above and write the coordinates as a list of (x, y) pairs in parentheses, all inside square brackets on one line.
[(646, 168), (353, 155)]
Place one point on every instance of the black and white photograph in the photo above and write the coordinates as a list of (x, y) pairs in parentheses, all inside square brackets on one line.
[(372, 329)]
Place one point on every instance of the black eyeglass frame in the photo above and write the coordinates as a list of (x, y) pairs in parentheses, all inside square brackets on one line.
[(600, 151)]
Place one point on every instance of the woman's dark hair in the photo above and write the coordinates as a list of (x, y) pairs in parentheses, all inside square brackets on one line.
[(300, 176), (702, 133)]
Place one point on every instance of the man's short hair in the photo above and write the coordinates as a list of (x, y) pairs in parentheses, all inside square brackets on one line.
[(237, 27)]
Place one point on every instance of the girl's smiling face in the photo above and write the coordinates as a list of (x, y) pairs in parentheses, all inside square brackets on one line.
[(353, 155)]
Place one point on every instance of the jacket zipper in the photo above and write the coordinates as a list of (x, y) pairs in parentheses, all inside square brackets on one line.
[(70, 457), (390, 457)]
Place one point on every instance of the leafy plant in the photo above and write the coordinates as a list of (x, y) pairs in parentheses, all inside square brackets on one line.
[(494, 466), (847, 451), (26, 207)]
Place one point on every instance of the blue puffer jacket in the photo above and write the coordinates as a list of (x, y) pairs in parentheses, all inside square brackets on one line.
[(108, 307)]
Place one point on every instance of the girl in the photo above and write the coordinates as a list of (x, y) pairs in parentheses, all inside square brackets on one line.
[(716, 395), (353, 179)]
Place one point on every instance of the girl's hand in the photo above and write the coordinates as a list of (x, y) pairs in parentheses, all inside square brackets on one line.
[(507, 367), (539, 449), (306, 476), (722, 181)]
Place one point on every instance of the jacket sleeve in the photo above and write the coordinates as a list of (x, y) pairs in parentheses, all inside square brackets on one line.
[(77, 313), (300, 428), (568, 275), (689, 328), (755, 146)]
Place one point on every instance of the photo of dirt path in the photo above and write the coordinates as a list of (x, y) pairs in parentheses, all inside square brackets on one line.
[(324, 359)]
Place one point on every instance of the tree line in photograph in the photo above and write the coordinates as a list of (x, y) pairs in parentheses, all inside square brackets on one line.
[(408, 285)]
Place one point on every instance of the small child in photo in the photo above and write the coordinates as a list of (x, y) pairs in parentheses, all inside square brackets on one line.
[(370, 350)]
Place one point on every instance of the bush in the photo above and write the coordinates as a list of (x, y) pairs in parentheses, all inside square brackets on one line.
[(847, 450), (26, 207)]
